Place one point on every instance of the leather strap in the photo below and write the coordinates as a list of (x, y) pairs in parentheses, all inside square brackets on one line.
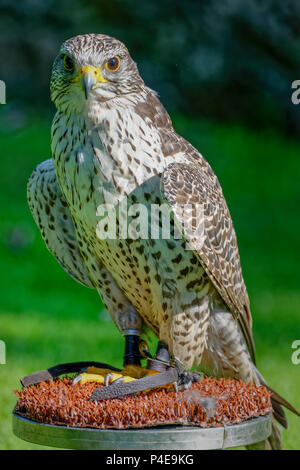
[(122, 389), (173, 373), (67, 368)]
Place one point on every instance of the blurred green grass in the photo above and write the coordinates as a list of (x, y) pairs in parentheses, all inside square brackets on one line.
[(47, 318)]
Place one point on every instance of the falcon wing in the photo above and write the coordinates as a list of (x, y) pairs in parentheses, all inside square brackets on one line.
[(52, 215), (200, 210)]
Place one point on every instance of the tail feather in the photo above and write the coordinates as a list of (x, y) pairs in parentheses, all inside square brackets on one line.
[(277, 400), (279, 413), (275, 439)]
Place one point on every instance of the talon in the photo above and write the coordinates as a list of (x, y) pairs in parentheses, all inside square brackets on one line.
[(107, 379), (114, 378), (77, 379), (144, 349), (118, 380), (85, 377), (94, 374)]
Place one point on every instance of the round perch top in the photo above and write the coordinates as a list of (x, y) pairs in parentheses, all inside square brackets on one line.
[(208, 403)]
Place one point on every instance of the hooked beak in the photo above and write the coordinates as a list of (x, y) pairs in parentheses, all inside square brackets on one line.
[(90, 77)]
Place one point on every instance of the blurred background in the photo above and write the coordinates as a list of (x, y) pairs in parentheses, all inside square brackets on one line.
[(224, 72)]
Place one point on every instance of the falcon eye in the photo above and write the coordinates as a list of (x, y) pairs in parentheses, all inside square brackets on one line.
[(113, 64), (68, 63)]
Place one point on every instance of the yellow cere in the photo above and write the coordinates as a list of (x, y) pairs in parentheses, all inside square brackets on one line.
[(90, 69)]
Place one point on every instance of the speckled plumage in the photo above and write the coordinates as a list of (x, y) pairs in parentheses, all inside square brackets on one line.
[(120, 142)]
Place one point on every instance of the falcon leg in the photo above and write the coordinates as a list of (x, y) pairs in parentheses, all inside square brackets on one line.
[(162, 357), (162, 352), (135, 350), (132, 355)]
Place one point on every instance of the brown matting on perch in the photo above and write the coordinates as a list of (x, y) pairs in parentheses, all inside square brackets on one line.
[(207, 403)]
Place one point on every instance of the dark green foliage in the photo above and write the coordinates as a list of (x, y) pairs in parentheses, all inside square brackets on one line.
[(230, 60)]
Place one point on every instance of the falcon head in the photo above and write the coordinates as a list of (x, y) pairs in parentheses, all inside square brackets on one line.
[(92, 67)]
